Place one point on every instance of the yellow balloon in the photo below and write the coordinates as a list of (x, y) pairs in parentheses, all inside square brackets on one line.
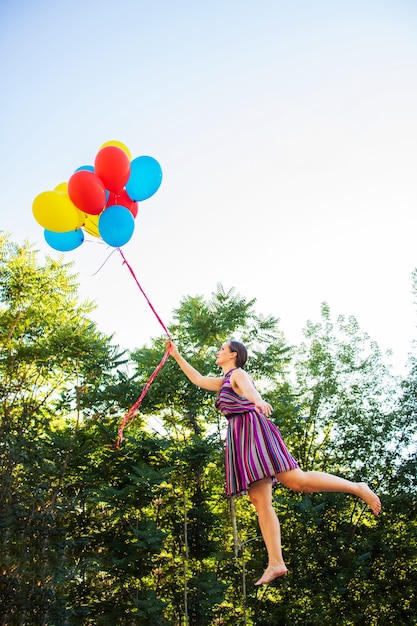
[(63, 188), (54, 211), (120, 145), (81, 218), (91, 225)]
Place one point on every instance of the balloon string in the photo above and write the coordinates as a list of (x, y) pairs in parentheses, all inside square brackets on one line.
[(104, 263), (144, 294), (130, 415)]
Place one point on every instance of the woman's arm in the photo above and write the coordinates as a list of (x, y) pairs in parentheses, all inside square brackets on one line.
[(210, 383), (243, 385)]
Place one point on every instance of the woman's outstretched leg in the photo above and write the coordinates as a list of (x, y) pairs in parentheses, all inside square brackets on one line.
[(310, 482), (260, 494)]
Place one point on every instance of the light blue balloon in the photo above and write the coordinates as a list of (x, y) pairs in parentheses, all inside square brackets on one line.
[(145, 178), (89, 168), (116, 225), (64, 242)]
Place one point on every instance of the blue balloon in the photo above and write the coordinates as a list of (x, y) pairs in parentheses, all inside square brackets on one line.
[(89, 168), (145, 178), (64, 242), (116, 225)]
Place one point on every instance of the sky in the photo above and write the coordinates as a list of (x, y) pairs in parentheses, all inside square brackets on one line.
[(286, 133)]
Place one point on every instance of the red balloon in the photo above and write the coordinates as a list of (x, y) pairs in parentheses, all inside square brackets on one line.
[(134, 209), (112, 165), (122, 199), (87, 192)]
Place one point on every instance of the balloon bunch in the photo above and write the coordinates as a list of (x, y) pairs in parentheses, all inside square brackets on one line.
[(102, 200)]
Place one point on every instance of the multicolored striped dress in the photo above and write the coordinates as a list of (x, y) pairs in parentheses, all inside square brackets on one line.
[(254, 445)]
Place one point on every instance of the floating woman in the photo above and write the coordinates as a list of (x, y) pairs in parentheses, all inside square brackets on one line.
[(256, 455)]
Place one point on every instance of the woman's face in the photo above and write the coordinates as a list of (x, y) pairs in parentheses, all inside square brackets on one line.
[(225, 355)]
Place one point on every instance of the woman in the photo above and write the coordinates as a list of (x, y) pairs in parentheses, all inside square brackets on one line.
[(256, 455)]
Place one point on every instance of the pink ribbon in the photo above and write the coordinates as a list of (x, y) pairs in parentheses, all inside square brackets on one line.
[(130, 415)]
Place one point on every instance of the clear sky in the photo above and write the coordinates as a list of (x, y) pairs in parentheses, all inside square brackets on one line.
[(287, 136)]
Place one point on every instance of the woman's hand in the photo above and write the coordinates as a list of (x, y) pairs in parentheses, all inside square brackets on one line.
[(173, 350), (264, 407)]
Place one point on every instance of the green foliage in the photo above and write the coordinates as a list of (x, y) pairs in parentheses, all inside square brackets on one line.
[(143, 535), (348, 400)]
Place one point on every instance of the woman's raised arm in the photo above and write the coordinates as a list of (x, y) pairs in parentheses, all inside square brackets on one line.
[(211, 383)]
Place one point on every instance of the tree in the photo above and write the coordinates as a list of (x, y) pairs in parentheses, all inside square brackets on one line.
[(348, 399), (95, 535), (52, 359)]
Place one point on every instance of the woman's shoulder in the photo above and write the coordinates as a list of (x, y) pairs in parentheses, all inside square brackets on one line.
[(238, 372), (241, 377)]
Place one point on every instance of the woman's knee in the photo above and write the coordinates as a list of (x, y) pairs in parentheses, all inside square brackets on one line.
[(260, 493), (294, 479)]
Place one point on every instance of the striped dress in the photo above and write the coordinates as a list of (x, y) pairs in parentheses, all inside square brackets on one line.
[(254, 445)]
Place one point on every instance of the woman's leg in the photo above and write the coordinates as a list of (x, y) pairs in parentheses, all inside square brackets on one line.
[(309, 482), (260, 494)]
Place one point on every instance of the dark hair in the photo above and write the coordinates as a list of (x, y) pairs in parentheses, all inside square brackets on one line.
[(241, 352)]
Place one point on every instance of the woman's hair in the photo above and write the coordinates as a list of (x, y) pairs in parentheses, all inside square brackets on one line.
[(241, 352)]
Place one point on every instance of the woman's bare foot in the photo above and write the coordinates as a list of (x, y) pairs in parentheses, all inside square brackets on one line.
[(370, 498), (271, 572)]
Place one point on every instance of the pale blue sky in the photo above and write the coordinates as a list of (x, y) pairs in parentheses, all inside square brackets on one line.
[(287, 136)]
